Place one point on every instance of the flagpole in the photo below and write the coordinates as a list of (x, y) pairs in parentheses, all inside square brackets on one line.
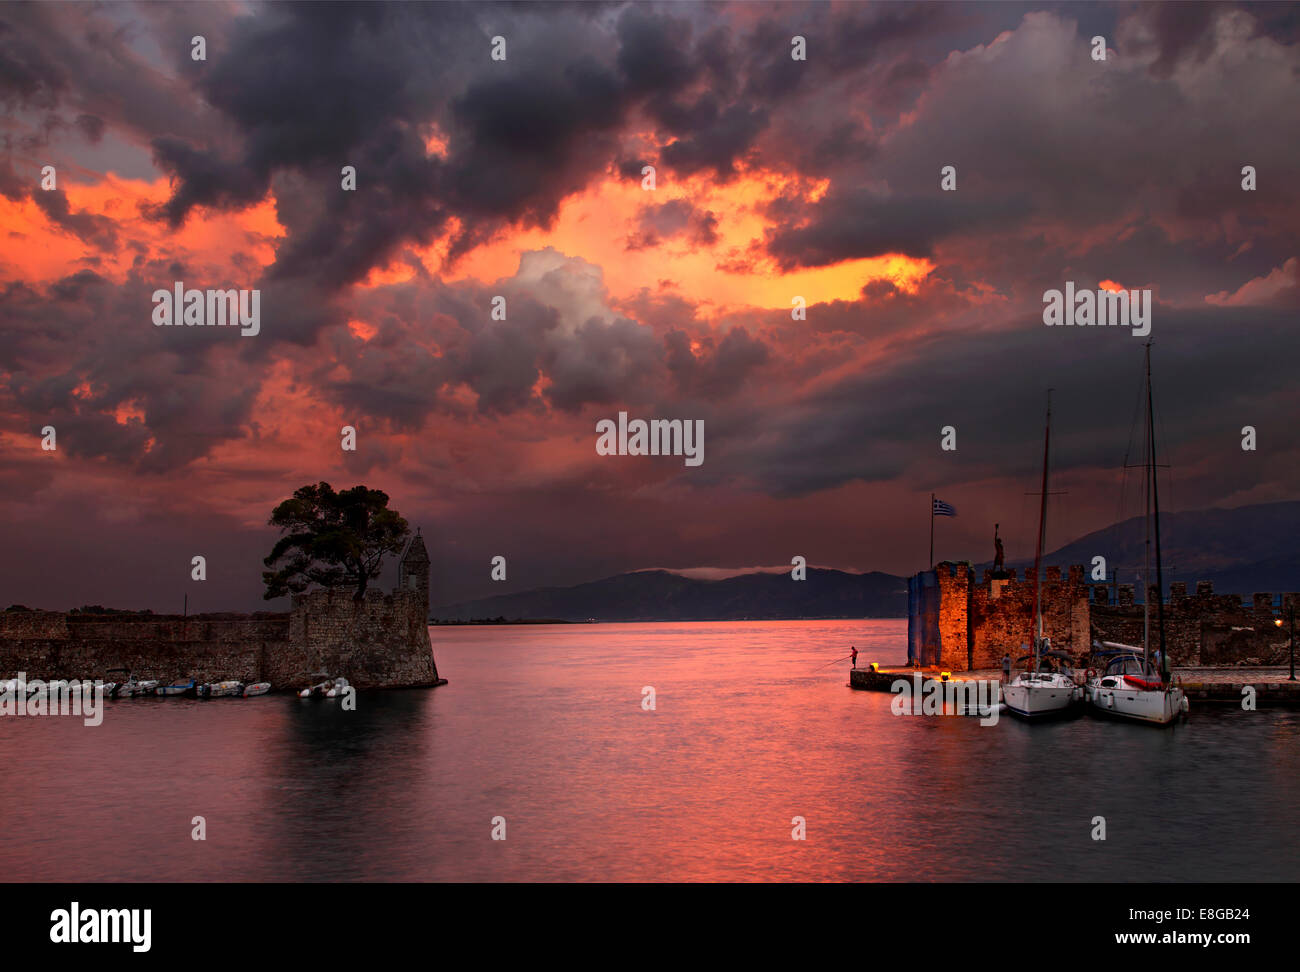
[(932, 531)]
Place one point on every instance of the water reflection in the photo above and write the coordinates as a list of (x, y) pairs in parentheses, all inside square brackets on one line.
[(544, 726)]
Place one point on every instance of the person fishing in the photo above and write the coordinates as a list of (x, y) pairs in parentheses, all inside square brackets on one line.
[(853, 654)]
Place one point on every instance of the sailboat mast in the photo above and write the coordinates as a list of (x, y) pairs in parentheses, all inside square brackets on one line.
[(1155, 517), (1146, 520), (1042, 527)]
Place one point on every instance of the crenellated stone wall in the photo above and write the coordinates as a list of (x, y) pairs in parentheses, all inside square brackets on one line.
[(381, 642), (1203, 628), (1003, 611), (964, 624), (954, 619)]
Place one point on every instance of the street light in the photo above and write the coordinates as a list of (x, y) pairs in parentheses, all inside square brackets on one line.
[(1278, 622)]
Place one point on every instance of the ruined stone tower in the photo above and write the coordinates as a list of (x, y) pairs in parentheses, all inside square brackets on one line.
[(413, 570)]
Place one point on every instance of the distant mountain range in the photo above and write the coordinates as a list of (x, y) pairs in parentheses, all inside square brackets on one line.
[(660, 595), (1242, 550)]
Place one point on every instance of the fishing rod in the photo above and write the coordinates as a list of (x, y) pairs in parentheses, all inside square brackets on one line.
[(829, 663)]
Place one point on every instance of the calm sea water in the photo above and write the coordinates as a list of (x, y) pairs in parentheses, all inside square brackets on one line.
[(543, 725)]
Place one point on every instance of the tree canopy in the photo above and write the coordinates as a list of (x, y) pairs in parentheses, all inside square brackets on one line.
[(334, 539)]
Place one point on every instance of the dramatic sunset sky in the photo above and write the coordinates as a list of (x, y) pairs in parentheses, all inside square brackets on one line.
[(522, 178)]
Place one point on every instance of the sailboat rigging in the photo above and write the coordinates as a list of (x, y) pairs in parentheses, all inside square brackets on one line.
[(1048, 688), (1130, 687)]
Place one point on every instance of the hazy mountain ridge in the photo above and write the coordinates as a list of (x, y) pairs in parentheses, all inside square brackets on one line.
[(660, 595), (1241, 550)]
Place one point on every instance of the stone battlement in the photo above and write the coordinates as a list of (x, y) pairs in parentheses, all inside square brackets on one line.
[(959, 623), (381, 641)]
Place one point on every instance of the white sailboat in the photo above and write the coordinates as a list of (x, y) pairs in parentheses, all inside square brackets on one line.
[(1132, 686), (1047, 688), (1045, 691)]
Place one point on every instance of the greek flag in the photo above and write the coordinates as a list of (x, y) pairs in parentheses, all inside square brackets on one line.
[(942, 509)]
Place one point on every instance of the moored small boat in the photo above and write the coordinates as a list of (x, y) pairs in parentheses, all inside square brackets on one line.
[(183, 687), (219, 690), (120, 690), (133, 687), (316, 691), (256, 688), (340, 687)]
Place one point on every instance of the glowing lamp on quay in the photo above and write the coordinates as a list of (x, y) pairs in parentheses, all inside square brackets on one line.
[(1278, 622)]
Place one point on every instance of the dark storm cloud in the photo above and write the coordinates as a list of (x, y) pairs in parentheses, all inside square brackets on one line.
[(360, 84), (91, 126), (523, 144), (84, 348), (655, 224), (721, 368), (27, 76), (206, 179), (12, 185), (1182, 29), (653, 55), (557, 324), (880, 424), (1142, 169), (1044, 138), (91, 228), (83, 58), (601, 365), (337, 237), (857, 223), (840, 41), (884, 313), (357, 83), (723, 136), (351, 87)]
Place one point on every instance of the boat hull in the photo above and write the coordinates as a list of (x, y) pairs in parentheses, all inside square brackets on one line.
[(1041, 700), (220, 690), (1120, 700)]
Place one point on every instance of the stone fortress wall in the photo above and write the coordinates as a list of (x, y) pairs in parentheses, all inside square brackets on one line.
[(959, 623), (379, 642)]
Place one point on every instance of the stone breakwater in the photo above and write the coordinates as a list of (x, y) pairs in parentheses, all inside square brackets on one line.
[(1271, 685), (380, 642)]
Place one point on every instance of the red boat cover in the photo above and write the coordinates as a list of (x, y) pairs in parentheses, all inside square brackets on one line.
[(1143, 683)]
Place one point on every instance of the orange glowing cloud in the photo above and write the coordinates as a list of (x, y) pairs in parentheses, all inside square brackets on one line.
[(362, 330), (728, 273), (435, 142), (34, 249), (398, 272)]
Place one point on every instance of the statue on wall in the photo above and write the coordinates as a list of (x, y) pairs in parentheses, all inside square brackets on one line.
[(998, 554)]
